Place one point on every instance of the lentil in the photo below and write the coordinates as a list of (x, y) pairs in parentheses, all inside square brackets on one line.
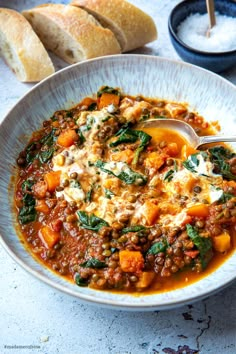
[(197, 189), (73, 175)]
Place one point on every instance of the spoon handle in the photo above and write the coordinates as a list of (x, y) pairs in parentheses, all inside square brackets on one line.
[(211, 12), (216, 139)]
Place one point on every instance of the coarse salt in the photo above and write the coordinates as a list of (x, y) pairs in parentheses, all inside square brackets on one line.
[(193, 32)]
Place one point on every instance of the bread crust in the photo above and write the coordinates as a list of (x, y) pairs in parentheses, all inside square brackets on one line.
[(22, 49), (132, 27), (71, 32)]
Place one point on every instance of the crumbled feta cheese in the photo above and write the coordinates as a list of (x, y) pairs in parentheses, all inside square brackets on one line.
[(215, 195)]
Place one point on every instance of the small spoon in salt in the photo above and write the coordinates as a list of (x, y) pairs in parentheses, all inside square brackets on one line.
[(186, 131), (211, 14)]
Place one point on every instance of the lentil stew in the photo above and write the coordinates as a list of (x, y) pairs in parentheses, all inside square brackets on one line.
[(113, 207)]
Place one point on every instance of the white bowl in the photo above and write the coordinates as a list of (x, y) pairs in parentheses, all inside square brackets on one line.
[(207, 93)]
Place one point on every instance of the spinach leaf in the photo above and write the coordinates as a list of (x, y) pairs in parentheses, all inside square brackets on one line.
[(42, 155), (91, 222), (75, 184), (137, 153), (69, 114), (128, 135), (157, 247), (93, 263), (144, 117), (108, 193), (28, 200), (92, 106), (81, 136), (144, 140), (45, 155), (31, 152), (107, 118), (126, 174), (107, 89), (193, 162), (80, 281), (89, 122), (27, 185), (169, 175), (89, 194), (123, 128), (27, 212), (54, 118), (203, 244), (220, 157), (135, 228), (225, 197), (48, 139)]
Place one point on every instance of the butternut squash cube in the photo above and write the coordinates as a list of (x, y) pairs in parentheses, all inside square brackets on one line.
[(48, 236), (198, 210), (131, 261), (145, 279), (221, 243), (52, 179), (150, 212), (154, 160)]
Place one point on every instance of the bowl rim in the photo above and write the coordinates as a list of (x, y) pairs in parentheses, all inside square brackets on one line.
[(186, 46), (113, 303)]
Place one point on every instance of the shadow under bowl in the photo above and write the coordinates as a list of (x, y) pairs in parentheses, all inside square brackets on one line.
[(213, 61)]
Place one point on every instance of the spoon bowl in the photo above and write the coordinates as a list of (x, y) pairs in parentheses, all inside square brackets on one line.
[(186, 131)]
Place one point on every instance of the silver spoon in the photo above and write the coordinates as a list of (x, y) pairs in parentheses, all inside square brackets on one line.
[(186, 131)]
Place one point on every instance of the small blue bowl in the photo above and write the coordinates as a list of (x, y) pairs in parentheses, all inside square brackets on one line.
[(216, 62)]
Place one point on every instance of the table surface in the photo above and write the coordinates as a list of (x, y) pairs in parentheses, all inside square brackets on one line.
[(49, 322)]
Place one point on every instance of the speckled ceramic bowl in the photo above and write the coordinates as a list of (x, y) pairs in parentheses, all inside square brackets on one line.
[(216, 62), (210, 95)]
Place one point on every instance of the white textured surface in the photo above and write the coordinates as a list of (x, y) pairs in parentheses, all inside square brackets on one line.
[(31, 311)]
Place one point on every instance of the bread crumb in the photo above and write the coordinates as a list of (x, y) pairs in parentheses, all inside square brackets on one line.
[(44, 339)]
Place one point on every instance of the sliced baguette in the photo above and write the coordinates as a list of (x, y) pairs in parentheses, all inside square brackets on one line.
[(133, 27), (22, 49), (71, 33)]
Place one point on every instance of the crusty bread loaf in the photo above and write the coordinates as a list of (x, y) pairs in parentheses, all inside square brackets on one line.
[(22, 49), (133, 27), (71, 32)]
